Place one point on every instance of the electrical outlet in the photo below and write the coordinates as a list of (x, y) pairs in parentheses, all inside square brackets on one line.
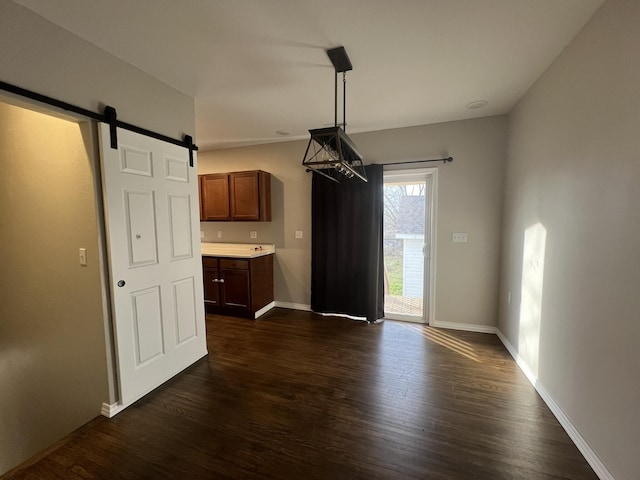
[(253, 234), (219, 233), (459, 237), (201, 234), (298, 233)]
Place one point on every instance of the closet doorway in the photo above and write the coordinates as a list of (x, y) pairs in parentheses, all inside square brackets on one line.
[(53, 354), (408, 244)]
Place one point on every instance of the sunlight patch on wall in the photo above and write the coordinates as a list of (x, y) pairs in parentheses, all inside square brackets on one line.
[(535, 238)]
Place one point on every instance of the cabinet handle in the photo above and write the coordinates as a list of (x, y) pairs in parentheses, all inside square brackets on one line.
[(218, 280), (221, 280)]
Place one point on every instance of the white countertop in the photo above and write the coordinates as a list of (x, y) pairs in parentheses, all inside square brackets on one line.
[(237, 250)]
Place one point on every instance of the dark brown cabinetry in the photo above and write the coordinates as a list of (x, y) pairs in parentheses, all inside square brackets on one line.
[(237, 287), (211, 278), (214, 197), (236, 196)]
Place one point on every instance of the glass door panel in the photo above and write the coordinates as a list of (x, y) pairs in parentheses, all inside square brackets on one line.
[(405, 214)]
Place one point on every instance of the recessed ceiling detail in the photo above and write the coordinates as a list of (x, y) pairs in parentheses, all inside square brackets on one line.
[(476, 104)]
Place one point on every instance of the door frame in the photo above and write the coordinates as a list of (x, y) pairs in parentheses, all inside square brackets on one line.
[(430, 175)]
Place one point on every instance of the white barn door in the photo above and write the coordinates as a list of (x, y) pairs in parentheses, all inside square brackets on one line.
[(151, 208)]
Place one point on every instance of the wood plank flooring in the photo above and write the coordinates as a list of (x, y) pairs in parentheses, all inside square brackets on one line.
[(299, 396)]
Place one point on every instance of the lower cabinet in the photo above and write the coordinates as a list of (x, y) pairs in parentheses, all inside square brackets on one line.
[(237, 287)]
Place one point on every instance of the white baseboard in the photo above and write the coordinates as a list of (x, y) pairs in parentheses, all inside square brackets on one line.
[(519, 361), (589, 455), (111, 410), (294, 306), (264, 309), (468, 327)]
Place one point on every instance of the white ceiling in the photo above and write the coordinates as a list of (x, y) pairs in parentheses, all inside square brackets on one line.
[(258, 66)]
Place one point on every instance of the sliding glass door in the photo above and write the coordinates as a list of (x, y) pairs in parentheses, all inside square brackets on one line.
[(407, 244)]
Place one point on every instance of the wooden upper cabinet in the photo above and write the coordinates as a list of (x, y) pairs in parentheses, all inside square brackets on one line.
[(250, 195), (236, 196), (214, 197)]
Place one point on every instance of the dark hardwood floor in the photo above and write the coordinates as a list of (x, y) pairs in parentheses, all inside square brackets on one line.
[(298, 396)]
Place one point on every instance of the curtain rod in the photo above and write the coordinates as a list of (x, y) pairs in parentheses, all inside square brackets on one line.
[(443, 160), (23, 92)]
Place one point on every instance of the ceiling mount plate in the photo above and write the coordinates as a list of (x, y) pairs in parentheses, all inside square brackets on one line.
[(340, 59)]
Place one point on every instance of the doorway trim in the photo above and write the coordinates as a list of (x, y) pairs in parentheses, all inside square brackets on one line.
[(431, 175)]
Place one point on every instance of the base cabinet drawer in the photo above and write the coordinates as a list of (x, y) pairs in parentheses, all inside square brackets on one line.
[(234, 264)]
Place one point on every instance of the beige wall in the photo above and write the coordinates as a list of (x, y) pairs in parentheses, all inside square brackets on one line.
[(572, 234), (469, 200), (290, 207), (52, 346), (37, 55)]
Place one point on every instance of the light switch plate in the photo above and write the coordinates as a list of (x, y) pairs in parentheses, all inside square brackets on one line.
[(219, 233), (201, 234), (459, 237), (298, 233), (253, 234), (82, 254)]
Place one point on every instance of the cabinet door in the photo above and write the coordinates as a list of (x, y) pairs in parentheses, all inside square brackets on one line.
[(245, 195), (215, 196), (211, 286), (235, 288)]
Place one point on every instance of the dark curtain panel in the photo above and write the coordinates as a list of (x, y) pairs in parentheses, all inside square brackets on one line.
[(347, 271)]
